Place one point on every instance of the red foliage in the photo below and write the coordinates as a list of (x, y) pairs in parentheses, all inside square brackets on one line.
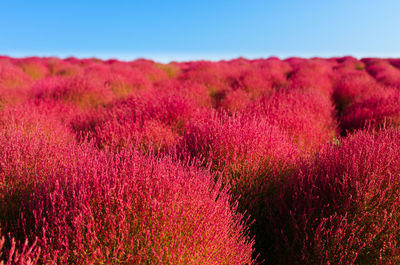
[(34, 67), (186, 163), (342, 208), (306, 115), (154, 120), (383, 71), (13, 83), (85, 206), (353, 87), (314, 74), (380, 109), (238, 144), (81, 90)]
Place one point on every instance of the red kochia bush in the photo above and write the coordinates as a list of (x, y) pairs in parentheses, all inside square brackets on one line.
[(315, 74), (250, 80), (306, 115), (196, 92), (121, 81), (395, 62), (253, 155), (88, 207), (111, 162), (383, 71), (83, 91), (60, 67), (343, 208), (251, 85), (149, 69), (219, 78), (380, 109), (13, 83), (354, 86), (237, 144), (348, 64), (153, 120), (34, 67), (11, 76)]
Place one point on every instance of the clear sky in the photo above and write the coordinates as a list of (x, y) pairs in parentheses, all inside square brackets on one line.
[(207, 29)]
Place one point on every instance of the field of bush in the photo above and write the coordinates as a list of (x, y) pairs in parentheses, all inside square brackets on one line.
[(266, 161)]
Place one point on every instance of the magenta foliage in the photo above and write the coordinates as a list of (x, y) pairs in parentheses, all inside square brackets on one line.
[(383, 71), (237, 143), (353, 87), (315, 74), (33, 67), (60, 67), (13, 83), (156, 118), (81, 90), (380, 109), (258, 79), (11, 76), (395, 62), (342, 208), (306, 115), (88, 207), (150, 69), (252, 155), (111, 162)]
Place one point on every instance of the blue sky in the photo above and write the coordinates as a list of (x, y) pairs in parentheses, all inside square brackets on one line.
[(188, 30)]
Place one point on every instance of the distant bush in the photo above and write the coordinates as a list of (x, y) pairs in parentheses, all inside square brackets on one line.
[(306, 115), (383, 71), (380, 109)]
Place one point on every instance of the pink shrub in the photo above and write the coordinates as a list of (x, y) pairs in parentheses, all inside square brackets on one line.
[(277, 70), (11, 76), (216, 77), (383, 72), (149, 69), (50, 117), (235, 101), (353, 87), (81, 91), (342, 208), (226, 80), (172, 70), (111, 162), (315, 74), (87, 207), (126, 122), (238, 143), (123, 86), (31, 152), (253, 156), (306, 115), (121, 81), (277, 67), (380, 109), (28, 255), (349, 64), (258, 82), (13, 83), (62, 67), (395, 62), (197, 93), (294, 62), (33, 67)]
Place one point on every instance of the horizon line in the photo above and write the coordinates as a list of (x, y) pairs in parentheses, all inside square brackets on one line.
[(185, 57)]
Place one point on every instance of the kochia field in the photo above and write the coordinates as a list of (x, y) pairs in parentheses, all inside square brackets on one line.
[(267, 161)]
